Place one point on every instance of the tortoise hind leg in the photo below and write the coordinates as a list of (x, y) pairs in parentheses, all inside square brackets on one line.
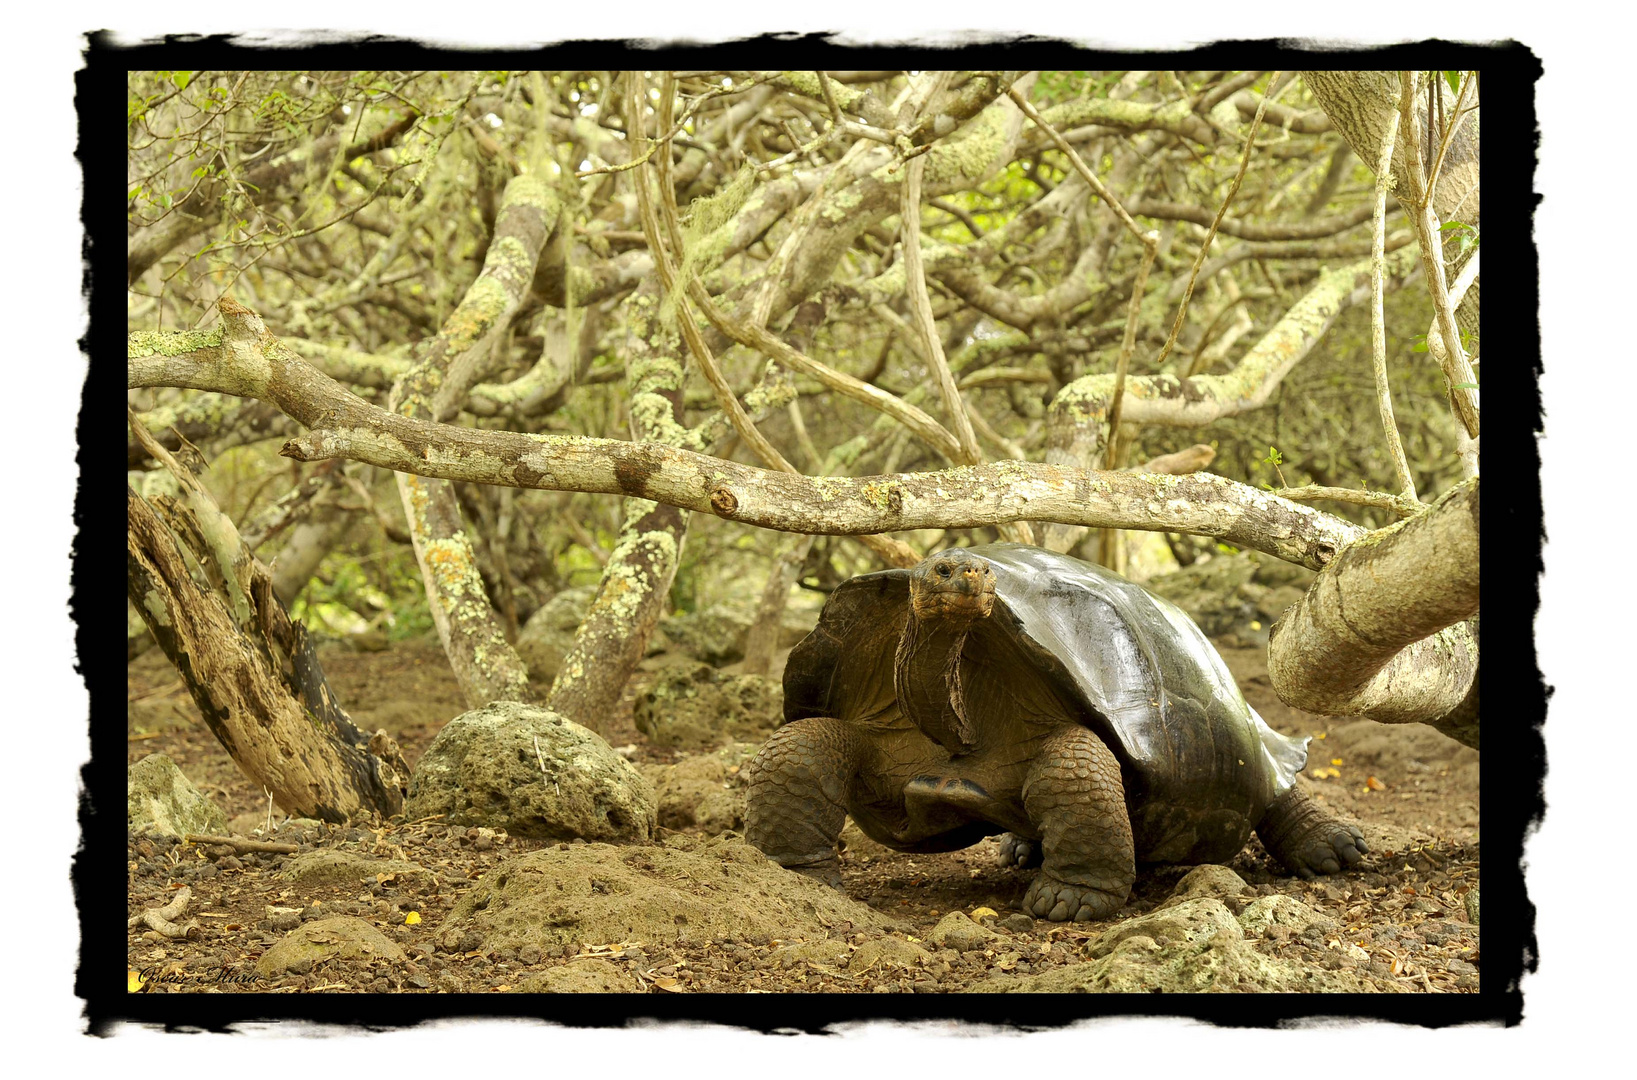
[(1074, 796), (1307, 838), (797, 795), (1018, 851)]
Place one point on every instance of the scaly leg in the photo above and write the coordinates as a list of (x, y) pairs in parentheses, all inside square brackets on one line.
[(797, 799), (1074, 796)]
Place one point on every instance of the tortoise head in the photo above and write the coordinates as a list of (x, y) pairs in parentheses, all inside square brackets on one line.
[(952, 586)]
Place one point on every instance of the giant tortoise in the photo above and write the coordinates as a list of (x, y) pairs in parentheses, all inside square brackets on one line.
[(1006, 688)]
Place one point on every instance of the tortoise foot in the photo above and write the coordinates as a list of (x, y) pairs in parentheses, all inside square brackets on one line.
[(1017, 851), (1308, 839), (1059, 901)]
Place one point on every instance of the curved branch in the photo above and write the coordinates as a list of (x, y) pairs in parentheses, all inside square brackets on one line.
[(1378, 634)]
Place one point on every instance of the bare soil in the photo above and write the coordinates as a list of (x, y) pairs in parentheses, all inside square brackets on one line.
[(1400, 920)]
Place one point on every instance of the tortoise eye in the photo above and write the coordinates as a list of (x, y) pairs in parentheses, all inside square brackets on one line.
[(943, 569)]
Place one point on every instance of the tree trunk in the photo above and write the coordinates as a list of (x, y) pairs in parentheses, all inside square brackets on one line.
[(763, 640), (636, 582), (251, 670), (473, 635)]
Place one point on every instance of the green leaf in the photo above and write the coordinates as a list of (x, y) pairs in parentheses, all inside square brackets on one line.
[(1454, 80)]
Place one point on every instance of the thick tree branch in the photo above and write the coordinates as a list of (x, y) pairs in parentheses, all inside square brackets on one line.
[(1379, 633)]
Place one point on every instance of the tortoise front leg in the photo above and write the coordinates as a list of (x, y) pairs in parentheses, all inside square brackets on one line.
[(797, 799), (1074, 796)]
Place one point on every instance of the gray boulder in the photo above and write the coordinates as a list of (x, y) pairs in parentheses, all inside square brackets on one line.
[(716, 634), (159, 799), (695, 707), (533, 773)]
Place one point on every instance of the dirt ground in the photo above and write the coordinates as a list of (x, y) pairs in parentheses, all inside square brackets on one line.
[(1399, 921)]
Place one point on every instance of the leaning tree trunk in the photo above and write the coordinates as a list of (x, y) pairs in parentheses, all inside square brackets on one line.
[(251, 670), (636, 582), (473, 635)]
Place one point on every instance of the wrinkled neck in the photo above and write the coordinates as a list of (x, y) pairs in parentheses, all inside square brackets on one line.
[(927, 680)]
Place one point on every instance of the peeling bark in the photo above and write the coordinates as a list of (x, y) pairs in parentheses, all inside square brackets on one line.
[(250, 668)]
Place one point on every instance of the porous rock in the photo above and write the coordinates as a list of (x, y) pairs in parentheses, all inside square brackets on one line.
[(597, 893), (589, 976), (1194, 947), (1266, 912), (327, 866), (159, 799), (342, 936), (705, 792), (957, 931), (1208, 880), (885, 952), (533, 773), (696, 707)]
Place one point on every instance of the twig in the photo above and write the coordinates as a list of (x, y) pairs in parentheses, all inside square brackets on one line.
[(1079, 166), (1457, 368), (725, 397), (1128, 344), (1378, 318), (1384, 500), (1449, 132), (893, 551), (920, 303), (240, 843), (1210, 235), (161, 919)]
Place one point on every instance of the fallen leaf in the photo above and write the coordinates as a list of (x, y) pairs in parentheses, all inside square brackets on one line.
[(412, 919), (984, 912), (135, 981), (1373, 784), (1335, 761), (668, 983)]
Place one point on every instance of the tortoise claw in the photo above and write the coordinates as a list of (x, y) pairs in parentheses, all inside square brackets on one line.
[(1059, 901)]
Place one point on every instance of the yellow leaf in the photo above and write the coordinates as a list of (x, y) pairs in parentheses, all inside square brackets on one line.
[(1332, 772), (1254, 625), (1335, 761), (1319, 735), (1373, 784), (412, 919), (668, 983), (984, 913), (136, 982)]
